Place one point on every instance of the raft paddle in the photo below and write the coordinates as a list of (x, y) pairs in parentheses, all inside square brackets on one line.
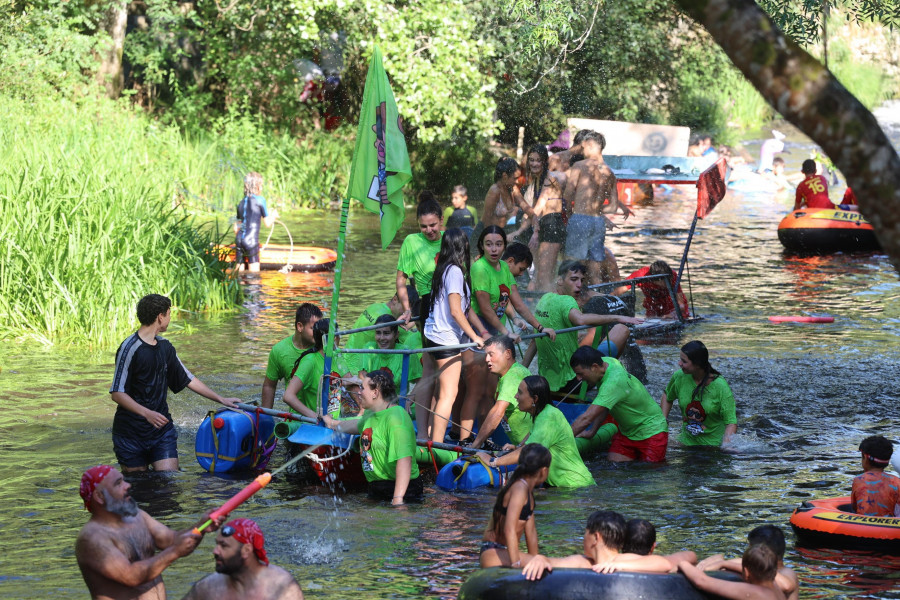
[(257, 484)]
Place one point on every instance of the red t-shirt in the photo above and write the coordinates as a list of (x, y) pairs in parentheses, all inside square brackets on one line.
[(849, 197), (876, 494), (814, 189), (657, 301)]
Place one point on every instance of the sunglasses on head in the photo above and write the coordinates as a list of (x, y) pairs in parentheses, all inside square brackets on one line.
[(228, 531)]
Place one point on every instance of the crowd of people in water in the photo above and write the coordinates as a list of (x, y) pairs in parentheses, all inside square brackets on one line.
[(457, 300)]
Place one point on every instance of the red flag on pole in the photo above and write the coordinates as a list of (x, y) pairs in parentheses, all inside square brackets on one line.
[(711, 187)]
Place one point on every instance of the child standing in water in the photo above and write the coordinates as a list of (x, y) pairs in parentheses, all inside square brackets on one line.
[(875, 493), (250, 211), (513, 512)]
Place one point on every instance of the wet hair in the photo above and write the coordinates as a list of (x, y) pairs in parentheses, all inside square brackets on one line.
[(505, 166), (383, 382), (454, 252), (487, 230), (699, 355), (504, 342), (518, 252), (305, 312), (595, 136), (388, 319), (428, 205), (461, 190), (541, 151), (252, 183), (808, 167), (539, 388), (320, 330), (760, 562), (770, 536), (611, 527), (777, 161), (878, 449), (151, 306), (571, 266), (586, 356), (661, 267), (579, 136), (640, 535), (532, 458)]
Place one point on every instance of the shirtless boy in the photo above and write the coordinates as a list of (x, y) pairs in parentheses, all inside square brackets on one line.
[(243, 570), (604, 537), (759, 567), (591, 191), (117, 548)]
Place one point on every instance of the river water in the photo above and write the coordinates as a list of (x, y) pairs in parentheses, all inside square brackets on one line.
[(806, 394)]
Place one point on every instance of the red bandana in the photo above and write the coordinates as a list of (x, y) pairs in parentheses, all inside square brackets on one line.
[(90, 480), (247, 531)]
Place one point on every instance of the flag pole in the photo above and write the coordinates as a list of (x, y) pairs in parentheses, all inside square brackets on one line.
[(335, 296)]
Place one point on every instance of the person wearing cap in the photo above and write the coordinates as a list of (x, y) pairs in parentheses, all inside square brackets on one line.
[(286, 352), (876, 493), (243, 569), (117, 549), (147, 367)]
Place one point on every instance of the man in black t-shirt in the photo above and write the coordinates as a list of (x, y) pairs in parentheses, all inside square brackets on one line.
[(146, 368)]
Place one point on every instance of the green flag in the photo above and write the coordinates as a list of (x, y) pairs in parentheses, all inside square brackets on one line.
[(380, 161)]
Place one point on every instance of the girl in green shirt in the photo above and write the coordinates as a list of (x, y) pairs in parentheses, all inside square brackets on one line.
[(302, 392), (707, 404), (387, 441)]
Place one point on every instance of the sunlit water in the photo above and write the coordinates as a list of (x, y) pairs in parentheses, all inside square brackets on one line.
[(807, 394)]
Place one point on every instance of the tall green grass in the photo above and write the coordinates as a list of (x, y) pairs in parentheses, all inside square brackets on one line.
[(92, 221)]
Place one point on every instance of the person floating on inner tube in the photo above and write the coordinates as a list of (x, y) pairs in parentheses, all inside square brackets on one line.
[(604, 537), (875, 493), (759, 567), (767, 535)]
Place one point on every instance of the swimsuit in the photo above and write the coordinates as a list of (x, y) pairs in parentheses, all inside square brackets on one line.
[(490, 546)]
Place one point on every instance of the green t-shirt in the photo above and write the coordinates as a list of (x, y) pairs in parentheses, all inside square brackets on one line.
[(417, 260), (516, 423), (718, 411), (552, 311), (552, 431), (310, 371), (393, 363), (364, 339), (385, 437), (282, 357), (496, 282), (637, 414)]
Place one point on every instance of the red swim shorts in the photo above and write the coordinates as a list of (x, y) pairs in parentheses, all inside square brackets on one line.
[(653, 449)]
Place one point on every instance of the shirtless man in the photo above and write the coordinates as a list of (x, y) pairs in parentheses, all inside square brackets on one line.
[(591, 191), (562, 161), (117, 548), (243, 570)]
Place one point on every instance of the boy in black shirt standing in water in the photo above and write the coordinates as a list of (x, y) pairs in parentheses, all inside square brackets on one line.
[(146, 368)]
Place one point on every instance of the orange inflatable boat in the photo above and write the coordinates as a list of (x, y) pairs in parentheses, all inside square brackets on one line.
[(829, 524), (823, 231), (307, 259)]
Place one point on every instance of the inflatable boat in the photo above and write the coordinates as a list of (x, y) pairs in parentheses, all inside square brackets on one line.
[(824, 231), (829, 523), (501, 583), (274, 257)]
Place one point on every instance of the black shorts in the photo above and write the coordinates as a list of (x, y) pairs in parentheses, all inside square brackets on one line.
[(440, 354), (553, 229), (136, 452), (383, 489)]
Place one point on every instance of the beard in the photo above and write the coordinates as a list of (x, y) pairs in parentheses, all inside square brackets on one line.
[(229, 566), (125, 507)]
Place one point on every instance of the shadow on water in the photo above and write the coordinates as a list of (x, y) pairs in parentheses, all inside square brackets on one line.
[(807, 394)]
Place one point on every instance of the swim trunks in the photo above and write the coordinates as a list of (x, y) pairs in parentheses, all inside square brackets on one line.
[(586, 236), (140, 452), (653, 449), (242, 252), (552, 229)]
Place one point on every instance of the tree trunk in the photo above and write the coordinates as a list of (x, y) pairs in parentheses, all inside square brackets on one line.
[(809, 96), (114, 21)]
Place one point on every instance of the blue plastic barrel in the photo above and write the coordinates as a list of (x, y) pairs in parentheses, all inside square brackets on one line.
[(468, 474), (225, 440)]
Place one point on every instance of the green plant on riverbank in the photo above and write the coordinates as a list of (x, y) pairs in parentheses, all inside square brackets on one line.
[(91, 224)]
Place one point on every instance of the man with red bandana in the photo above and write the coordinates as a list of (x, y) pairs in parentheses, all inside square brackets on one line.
[(117, 549), (243, 569)]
